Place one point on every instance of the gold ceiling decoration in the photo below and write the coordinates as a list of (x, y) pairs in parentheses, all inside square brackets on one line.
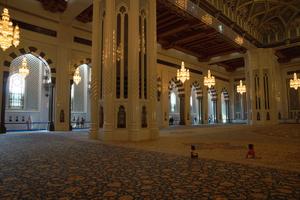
[(266, 20)]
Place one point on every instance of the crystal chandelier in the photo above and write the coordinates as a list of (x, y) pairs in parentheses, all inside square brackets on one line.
[(8, 34), (76, 77), (295, 83), (239, 40), (23, 70), (183, 74), (209, 80), (241, 88)]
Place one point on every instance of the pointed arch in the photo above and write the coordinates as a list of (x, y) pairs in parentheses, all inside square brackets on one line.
[(87, 61), (30, 50), (198, 88), (178, 84), (213, 93), (225, 93)]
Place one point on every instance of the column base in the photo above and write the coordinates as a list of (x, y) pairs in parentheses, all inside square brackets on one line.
[(51, 126), (2, 129), (181, 123), (94, 134)]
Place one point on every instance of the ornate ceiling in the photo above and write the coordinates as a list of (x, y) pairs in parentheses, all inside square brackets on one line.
[(181, 31), (267, 15), (266, 23), (54, 5), (232, 64)]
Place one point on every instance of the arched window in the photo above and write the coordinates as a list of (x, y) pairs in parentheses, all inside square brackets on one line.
[(173, 101), (16, 91)]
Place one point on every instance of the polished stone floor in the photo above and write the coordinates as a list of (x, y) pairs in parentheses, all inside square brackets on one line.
[(69, 166)]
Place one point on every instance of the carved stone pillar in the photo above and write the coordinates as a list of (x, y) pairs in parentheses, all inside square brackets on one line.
[(51, 121), (134, 105), (108, 72), (4, 85), (215, 104), (152, 65), (70, 106), (200, 110), (182, 109), (263, 86), (96, 55)]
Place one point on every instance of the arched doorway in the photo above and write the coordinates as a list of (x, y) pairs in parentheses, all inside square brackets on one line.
[(176, 102), (29, 101), (80, 99), (212, 106)]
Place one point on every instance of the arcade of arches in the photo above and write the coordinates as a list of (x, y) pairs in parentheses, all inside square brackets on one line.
[(128, 88), (128, 128)]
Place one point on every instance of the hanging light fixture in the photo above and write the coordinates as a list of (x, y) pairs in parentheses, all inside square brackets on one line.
[(239, 40), (77, 77), (209, 80), (241, 88), (183, 74), (9, 35), (23, 70), (295, 82)]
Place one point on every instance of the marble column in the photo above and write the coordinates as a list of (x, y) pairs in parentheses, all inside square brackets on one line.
[(108, 70), (187, 115), (215, 110), (51, 97), (152, 66), (63, 63), (227, 111), (96, 59), (205, 105), (242, 107), (70, 106), (182, 109), (133, 75), (200, 110), (4, 85), (263, 86)]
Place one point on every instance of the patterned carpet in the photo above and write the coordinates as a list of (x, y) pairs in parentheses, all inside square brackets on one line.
[(56, 166)]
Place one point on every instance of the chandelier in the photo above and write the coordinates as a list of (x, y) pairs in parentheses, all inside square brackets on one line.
[(76, 77), (183, 74), (239, 40), (209, 80), (9, 35), (295, 83), (23, 70), (241, 88)]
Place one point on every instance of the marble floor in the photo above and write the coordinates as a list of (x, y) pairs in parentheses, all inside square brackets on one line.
[(70, 166)]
